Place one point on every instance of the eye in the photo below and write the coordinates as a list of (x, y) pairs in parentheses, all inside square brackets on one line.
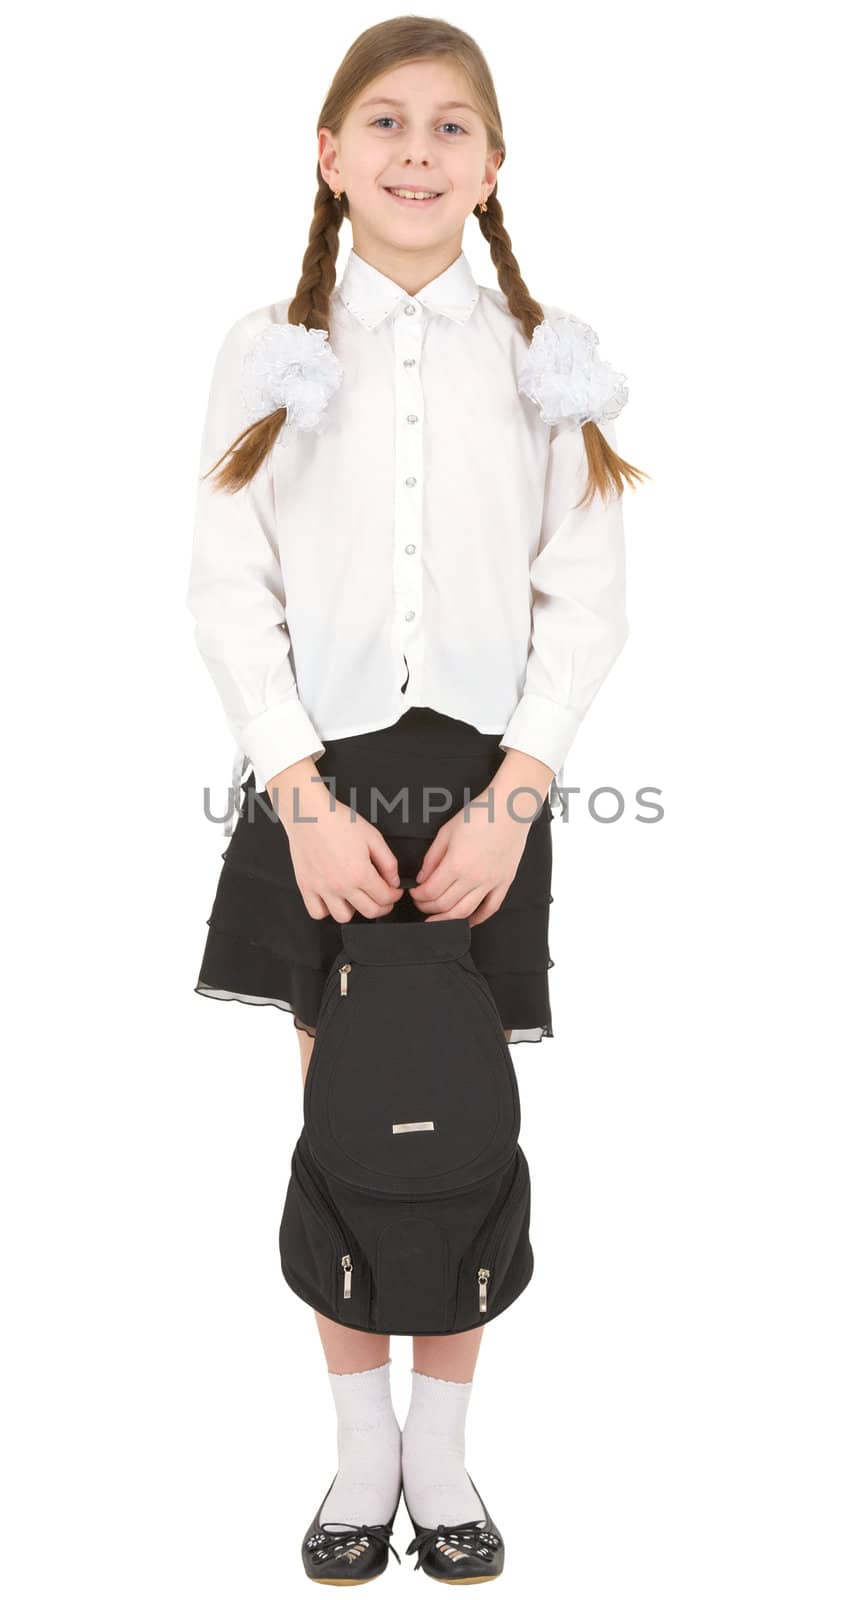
[(377, 120)]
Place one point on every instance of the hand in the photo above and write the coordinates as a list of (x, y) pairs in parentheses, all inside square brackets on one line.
[(341, 861), (470, 866)]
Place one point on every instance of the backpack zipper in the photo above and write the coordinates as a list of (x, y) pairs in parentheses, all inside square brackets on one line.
[(484, 1273), (307, 1183)]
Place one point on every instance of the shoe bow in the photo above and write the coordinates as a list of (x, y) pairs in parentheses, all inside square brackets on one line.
[(466, 1535), (332, 1534)]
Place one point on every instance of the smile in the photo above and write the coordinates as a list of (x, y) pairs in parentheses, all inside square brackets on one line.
[(413, 197)]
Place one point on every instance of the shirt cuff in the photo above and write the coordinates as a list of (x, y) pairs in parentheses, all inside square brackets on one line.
[(542, 728), (278, 737)]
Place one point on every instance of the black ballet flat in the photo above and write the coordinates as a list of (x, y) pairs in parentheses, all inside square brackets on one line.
[(347, 1552), (459, 1552)]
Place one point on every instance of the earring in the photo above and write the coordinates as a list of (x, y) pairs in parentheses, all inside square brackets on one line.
[(483, 205), (337, 193)]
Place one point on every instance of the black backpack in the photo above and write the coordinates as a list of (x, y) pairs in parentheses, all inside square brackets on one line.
[(407, 1208)]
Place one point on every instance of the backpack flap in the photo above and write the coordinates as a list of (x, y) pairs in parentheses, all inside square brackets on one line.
[(411, 1088)]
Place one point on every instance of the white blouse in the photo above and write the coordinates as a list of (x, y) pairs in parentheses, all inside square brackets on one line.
[(422, 549)]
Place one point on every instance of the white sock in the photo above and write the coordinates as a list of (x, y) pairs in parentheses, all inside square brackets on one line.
[(368, 1448), (436, 1485)]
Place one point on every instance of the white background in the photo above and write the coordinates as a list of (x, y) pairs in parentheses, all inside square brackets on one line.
[(671, 1409)]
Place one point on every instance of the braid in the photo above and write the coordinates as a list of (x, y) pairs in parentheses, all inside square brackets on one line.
[(606, 470), (319, 263), (310, 305), (492, 225)]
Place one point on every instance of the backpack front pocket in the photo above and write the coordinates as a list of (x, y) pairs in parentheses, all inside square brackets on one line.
[(500, 1264), (318, 1260)]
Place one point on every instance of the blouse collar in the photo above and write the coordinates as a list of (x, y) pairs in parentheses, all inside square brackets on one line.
[(370, 295)]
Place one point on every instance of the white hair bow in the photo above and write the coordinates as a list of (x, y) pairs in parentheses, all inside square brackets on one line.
[(293, 366), (565, 377)]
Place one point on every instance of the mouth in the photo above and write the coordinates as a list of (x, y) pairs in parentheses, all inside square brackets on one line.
[(406, 196)]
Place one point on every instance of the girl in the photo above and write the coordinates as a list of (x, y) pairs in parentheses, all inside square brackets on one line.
[(408, 581)]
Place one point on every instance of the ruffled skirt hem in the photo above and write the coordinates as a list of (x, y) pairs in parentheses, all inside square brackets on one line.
[(236, 968)]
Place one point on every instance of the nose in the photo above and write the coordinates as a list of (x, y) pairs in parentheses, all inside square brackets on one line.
[(417, 156)]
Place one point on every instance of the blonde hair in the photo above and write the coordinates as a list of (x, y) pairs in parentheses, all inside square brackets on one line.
[(386, 45)]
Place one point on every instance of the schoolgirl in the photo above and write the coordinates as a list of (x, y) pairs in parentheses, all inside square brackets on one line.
[(408, 581)]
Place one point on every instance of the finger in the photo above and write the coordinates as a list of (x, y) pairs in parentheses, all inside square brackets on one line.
[(384, 859), (437, 880), (458, 890), (430, 895), (366, 904), (461, 908), (488, 906), (384, 895), (433, 856), (315, 905), (339, 908)]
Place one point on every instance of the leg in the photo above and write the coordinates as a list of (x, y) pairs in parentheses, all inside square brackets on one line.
[(368, 1433), (435, 1480), (436, 1485), (451, 1355)]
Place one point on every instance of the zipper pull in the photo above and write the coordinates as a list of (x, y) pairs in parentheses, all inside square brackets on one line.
[(346, 1263), (483, 1279), (347, 967)]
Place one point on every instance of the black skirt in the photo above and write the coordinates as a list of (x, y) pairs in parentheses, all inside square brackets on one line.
[(263, 946)]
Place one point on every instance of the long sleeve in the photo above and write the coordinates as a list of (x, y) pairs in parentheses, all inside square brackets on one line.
[(235, 589), (579, 623)]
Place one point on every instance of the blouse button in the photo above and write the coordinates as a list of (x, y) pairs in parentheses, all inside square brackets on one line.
[(409, 362), (409, 615), (412, 417), (409, 311), (410, 549), (411, 482)]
